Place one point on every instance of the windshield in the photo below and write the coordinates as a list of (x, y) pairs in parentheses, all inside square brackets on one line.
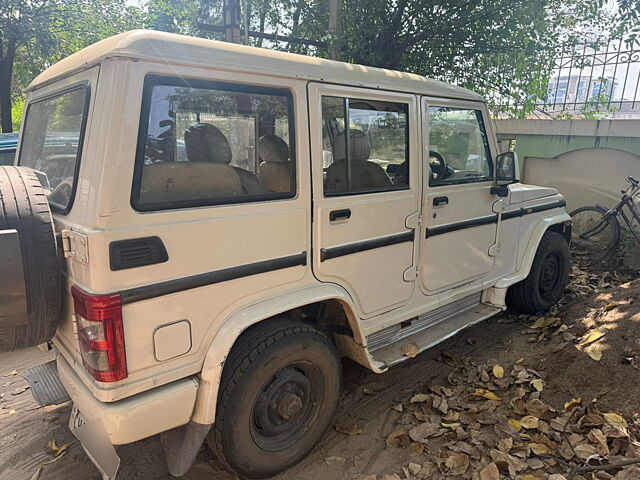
[(51, 143)]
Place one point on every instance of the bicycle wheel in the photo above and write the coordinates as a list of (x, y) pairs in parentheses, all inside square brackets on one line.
[(594, 234)]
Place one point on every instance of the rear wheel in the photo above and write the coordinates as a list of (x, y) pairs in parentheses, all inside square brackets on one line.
[(278, 395), (24, 208), (547, 278), (594, 234)]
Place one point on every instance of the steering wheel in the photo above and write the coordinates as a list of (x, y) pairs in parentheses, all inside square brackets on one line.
[(439, 168)]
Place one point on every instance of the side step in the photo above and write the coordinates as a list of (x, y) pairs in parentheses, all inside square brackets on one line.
[(46, 387), (434, 333)]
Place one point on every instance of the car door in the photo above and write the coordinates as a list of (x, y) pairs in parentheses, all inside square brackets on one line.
[(459, 224), (364, 145)]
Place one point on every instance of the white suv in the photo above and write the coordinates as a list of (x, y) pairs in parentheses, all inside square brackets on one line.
[(226, 222)]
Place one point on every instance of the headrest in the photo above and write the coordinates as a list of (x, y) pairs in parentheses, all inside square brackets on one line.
[(206, 143), (360, 147), (271, 148)]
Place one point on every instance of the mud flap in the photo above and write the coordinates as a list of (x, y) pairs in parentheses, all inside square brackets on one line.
[(181, 446), (46, 387), (96, 443)]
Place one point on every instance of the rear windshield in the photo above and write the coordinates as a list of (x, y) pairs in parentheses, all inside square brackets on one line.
[(51, 143)]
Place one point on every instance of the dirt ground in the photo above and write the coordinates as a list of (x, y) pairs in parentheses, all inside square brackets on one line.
[(463, 410)]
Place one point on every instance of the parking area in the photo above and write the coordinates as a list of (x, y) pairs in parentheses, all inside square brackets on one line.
[(439, 415)]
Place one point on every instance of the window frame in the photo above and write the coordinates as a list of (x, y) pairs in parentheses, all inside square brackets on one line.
[(152, 80), (345, 102), (83, 127), (484, 133)]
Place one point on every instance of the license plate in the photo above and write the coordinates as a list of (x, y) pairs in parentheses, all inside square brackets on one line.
[(77, 420), (95, 442)]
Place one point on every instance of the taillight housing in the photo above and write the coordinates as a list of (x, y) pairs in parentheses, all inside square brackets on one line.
[(101, 335)]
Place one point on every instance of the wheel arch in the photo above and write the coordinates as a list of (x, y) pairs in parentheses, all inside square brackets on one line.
[(560, 223), (237, 323)]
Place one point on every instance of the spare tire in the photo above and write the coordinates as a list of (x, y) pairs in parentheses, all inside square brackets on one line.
[(30, 282)]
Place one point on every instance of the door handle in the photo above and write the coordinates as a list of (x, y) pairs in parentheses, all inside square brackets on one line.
[(343, 214), (439, 201)]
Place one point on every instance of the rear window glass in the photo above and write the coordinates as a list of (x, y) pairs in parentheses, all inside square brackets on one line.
[(204, 143), (51, 143)]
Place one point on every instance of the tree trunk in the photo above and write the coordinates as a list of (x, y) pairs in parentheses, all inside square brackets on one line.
[(335, 29), (6, 74), (296, 22), (263, 15)]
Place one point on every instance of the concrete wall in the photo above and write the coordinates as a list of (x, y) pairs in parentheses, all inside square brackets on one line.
[(587, 160)]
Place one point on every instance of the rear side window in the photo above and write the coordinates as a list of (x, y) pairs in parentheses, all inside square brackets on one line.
[(365, 146), (204, 143), (52, 142)]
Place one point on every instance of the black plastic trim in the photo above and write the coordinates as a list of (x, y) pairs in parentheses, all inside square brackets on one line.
[(83, 127), (350, 248), (209, 278), (150, 251), (488, 219)]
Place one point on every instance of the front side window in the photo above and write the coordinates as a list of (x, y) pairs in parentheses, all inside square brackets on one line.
[(458, 147), (51, 143), (365, 146), (207, 144)]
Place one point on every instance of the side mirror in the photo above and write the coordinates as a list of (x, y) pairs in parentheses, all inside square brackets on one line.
[(507, 168)]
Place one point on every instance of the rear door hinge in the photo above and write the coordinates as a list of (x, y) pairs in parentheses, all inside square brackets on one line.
[(76, 246)]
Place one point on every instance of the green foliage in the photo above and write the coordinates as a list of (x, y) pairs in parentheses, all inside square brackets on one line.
[(17, 111), (35, 34), (499, 48)]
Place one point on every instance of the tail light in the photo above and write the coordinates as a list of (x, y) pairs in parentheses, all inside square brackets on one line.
[(101, 335)]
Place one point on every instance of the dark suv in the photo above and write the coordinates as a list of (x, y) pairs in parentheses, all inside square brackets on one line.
[(8, 145)]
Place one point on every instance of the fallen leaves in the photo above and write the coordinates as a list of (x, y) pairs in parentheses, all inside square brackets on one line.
[(592, 336), (498, 371), (595, 354), (410, 350), (349, 429)]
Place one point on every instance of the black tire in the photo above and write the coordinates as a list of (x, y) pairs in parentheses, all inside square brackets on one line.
[(594, 234), (547, 279), (24, 207), (279, 367)]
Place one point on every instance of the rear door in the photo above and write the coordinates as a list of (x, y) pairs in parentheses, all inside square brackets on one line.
[(457, 208), (365, 188)]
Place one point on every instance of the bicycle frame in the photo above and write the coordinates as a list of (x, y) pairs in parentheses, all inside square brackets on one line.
[(627, 200)]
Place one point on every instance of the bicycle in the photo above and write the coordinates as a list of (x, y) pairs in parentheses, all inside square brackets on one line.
[(596, 229)]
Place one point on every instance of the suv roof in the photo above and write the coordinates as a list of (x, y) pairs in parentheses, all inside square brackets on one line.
[(180, 49)]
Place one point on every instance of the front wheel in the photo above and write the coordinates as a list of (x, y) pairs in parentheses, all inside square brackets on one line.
[(278, 395), (594, 233), (547, 278)]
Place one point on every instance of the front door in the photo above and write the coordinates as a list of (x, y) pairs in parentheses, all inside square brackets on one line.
[(365, 202), (459, 225)]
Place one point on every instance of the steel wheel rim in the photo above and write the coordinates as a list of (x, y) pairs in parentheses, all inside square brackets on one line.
[(286, 406), (550, 274)]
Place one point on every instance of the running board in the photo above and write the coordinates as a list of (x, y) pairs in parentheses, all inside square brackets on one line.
[(433, 333)]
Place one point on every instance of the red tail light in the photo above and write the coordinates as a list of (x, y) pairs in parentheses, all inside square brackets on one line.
[(101, 335)]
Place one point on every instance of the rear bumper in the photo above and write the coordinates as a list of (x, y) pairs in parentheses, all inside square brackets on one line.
[(136, 417)]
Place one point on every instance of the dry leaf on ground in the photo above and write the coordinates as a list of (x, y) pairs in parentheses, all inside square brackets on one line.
[(350, 429), (490, 472), (410, 350)]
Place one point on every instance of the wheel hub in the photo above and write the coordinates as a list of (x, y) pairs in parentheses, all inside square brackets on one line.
[(289, 406), (284, 407), (549, 274)]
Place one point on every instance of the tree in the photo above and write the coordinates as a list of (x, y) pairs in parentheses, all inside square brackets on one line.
[(35, 34)]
